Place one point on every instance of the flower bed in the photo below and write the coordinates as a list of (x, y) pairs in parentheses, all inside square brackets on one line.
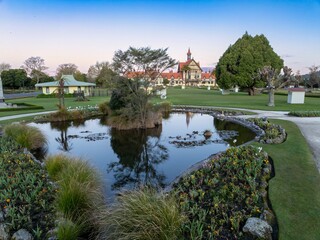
[(26, 196), (305, 113), (274, 134), (228, 189)]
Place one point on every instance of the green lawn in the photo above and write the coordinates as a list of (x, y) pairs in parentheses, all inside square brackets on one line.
[(50, 104), (203, 97), (294, 192)]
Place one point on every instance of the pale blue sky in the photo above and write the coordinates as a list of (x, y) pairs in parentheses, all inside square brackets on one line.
[(83, 32)]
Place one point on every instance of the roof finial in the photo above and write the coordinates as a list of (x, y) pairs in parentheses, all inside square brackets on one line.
[(189, 54)]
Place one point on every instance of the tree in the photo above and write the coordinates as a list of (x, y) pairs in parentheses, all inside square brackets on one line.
[(66, 69), (34, 66), (275, 80), (4, 66), (240, 63), (82, 77), (94, 70), (143, 65), (314, 76), (40, 76), (15, 78)]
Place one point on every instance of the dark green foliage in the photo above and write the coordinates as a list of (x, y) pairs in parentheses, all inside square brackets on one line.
[(120, 94), (241, 61), (223, 194), (15, 78), (54, 95), (26, 192), (305, 113)]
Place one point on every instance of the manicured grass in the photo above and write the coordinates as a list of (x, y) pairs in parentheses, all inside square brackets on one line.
[(295, 190), (203, 97), (50, 104)]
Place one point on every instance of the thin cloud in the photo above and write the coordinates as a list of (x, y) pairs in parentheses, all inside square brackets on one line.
[(287, 56)]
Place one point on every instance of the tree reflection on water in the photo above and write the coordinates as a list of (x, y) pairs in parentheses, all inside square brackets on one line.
[(64, 141), (139, 152)]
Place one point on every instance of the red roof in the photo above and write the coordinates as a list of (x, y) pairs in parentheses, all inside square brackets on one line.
[(170, 75), (296, 89)]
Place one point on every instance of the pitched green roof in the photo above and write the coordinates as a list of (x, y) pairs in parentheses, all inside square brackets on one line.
[(69, 81)]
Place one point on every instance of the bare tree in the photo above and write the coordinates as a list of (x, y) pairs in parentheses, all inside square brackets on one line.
[(275, 80), (34, 67), (314, 76), (66, 69), (4, 66)]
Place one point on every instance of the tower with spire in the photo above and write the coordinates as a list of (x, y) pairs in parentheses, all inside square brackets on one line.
[(188, 55)]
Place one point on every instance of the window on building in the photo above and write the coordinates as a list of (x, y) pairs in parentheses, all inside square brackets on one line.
[(47, 90)]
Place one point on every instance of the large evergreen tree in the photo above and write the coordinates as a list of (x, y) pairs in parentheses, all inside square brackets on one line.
[(240, 63)]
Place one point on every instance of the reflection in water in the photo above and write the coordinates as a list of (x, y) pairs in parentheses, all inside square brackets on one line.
[(139, 152), (63, 140), (189, 115), (244, 134)]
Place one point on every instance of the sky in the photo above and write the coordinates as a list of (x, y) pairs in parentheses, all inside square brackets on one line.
[(87, 31)]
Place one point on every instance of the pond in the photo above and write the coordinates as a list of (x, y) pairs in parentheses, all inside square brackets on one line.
[(130, 158)]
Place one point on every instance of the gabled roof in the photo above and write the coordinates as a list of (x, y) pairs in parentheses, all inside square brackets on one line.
[(187, 63), (69, 81)]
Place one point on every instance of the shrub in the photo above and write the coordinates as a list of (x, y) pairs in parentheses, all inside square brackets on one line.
[(104, 108), (141, 214), (305, 113), (54, 95), (27, 136)]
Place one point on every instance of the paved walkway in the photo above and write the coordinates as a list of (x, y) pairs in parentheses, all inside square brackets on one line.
[(309, 127)]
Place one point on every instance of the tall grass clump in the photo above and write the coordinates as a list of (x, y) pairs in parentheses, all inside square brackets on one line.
[(104, 108), (141, 214), (78, 196), (26, 136)]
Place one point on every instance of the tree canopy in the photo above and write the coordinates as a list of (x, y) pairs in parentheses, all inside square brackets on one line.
[(66, 69), (240, 63), (145, 63), (15, 78), (34, 66)]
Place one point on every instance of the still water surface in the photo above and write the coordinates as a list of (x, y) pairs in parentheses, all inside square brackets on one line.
[(157, 156)]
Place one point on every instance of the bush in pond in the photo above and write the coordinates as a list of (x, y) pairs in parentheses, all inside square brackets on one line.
[(26, 136), (78, 196), (26, 195), (142, 214), (224, 193)]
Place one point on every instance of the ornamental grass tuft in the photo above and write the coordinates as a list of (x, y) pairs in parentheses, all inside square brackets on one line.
[(79, 192), (26, 136), (141, 214)]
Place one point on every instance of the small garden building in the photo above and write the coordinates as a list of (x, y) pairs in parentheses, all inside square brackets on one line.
[(71, 85), (296, 95)]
